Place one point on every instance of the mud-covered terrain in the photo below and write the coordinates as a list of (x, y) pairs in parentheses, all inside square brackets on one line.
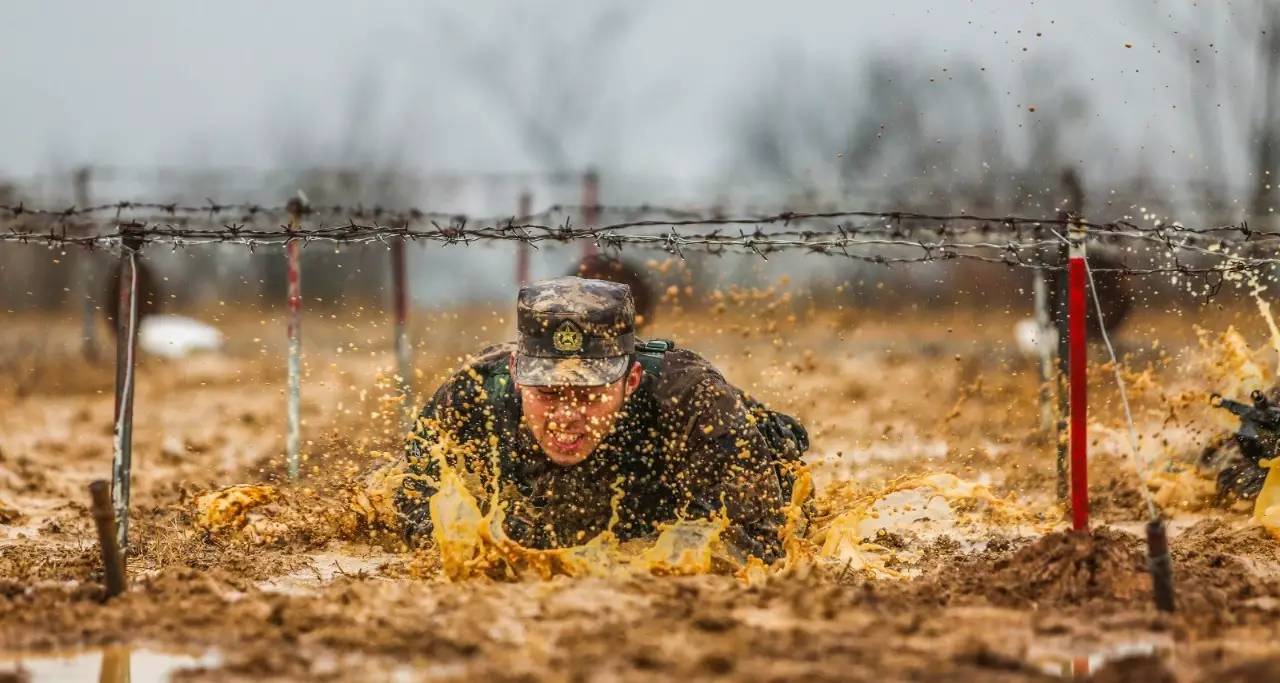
[(936, 550)]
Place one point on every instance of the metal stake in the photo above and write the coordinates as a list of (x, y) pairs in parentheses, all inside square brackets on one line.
[(126, 351), (523, 209), (293, 438), (1059, 304), (1044, 351), (84, 274), (590, 207), (400, 311)]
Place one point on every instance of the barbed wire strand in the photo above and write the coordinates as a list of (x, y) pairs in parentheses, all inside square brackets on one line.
[(676, 216), (830, 239)]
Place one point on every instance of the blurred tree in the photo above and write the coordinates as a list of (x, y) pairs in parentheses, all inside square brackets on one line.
[(1217, 105), (552, 82)]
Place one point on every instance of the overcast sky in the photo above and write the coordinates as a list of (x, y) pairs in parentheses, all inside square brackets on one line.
[(445, 86)]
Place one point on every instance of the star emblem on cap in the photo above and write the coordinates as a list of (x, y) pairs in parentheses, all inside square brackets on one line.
[(567, 338)]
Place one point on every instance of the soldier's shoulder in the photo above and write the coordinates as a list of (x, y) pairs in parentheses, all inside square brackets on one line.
[(494, 355), (682, 371), (484, 363)]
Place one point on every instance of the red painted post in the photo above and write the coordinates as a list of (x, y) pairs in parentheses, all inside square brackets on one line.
[(1077, 276), (590, 208), (293, 438)]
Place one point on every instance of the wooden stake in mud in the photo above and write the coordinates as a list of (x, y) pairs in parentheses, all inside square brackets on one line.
[(126, 352), (523, 210), (590, 208), (1077, 276), (1159, 564), (400, 306), (293, 438), (105, 519)]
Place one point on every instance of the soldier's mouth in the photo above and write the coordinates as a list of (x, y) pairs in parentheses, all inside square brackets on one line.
[(567, 443)]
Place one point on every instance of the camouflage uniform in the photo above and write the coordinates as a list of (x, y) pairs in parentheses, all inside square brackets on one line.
[(686, 443)]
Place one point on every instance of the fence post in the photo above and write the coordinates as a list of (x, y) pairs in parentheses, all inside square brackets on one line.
[(1059, 304), (126, 352), (523, 210), (84, 275), (1079, 380), (590, 208), (1040, 292), (400, 311), (293, 438)]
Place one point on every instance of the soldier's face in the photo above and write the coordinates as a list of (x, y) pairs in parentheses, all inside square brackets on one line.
[(569, 422)]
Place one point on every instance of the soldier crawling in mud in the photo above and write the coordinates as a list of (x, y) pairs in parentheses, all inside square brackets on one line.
[(1237, 457), (578, 413)]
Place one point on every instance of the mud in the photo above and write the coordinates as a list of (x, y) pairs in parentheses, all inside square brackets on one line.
[(937, 549)]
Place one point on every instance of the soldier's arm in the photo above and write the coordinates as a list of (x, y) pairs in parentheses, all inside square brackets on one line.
[(448, 416), (726, 465)]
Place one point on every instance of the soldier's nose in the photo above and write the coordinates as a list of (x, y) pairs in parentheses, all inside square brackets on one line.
[(565, 415)]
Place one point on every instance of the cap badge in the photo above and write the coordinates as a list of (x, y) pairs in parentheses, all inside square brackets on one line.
[(567, 337)]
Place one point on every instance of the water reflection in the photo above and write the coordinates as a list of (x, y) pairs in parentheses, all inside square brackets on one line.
[(1055, 662), (112, 664)]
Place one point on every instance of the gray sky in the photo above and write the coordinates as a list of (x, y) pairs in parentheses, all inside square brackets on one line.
[(263, 84)]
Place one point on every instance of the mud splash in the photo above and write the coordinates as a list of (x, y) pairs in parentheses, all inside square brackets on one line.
[(1266, 510), (1181, 488), (911, 512), (472, 543), (924, 508), (1229, 370), (880, 531)]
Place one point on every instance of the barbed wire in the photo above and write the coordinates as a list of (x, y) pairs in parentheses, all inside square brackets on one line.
[(246, 211), (894, 237), (673, 216), (1038, 254)]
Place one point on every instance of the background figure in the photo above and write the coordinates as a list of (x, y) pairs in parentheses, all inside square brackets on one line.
[(166, 335), (620, 270), (1114, 293)]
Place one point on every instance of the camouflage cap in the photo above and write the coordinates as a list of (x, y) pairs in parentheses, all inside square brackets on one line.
[(574, 332)]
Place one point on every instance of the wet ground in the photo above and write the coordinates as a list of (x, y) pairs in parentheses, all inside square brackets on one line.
[(937, 549)]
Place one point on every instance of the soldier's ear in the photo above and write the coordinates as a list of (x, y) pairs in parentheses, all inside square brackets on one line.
[(634, 377)]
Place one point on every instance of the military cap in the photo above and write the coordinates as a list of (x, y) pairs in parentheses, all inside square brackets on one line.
[(574, 332)]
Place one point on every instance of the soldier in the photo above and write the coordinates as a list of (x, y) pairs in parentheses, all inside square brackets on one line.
[(578, 412), (1237, 458)]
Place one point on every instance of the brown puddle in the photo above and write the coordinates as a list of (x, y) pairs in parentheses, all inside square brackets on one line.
[(115, 664)]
